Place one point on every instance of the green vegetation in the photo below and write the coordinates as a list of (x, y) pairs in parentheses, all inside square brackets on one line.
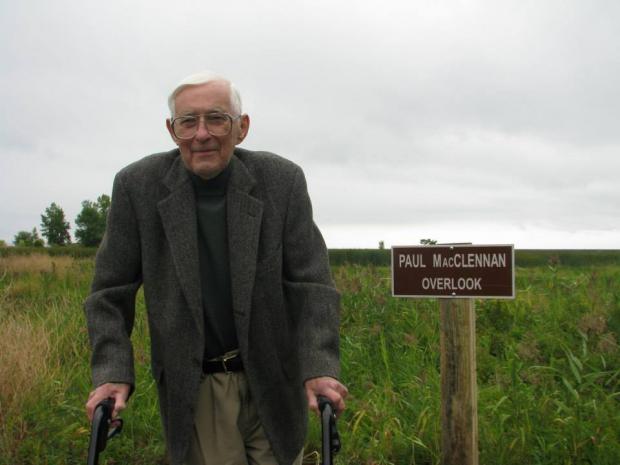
[(90, 226), (523, 257), (28, 239), (54, 227), (71, 250), (44, 374), (548, 369), (91, 221), (381, 257)]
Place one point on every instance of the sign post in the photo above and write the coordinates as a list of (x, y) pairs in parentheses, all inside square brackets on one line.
[(459, 400), (456, 274)]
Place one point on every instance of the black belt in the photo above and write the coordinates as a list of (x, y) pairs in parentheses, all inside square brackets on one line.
[(223, 366)]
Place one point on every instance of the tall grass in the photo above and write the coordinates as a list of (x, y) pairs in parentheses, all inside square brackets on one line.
[(45, 377), (379, 257), (548, 370), (24, 362)]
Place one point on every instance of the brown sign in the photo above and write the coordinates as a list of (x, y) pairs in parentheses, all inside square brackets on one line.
[(466, 271)]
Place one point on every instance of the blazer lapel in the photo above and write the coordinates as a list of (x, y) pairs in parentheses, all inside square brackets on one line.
[(178, 215), (244, 215)]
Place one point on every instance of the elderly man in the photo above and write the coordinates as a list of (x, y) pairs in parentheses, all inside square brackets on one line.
[(242, 311)]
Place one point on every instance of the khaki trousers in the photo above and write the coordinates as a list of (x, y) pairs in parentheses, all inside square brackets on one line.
[(227, 430)]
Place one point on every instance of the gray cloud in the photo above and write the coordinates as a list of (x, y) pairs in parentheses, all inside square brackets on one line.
[(443, 114)]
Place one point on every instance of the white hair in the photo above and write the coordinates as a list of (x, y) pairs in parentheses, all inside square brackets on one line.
[(204, 77)]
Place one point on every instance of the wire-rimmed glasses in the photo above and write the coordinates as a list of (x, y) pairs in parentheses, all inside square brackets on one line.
[(216, 123)]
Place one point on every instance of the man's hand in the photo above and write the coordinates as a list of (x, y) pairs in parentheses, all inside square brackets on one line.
[(328, 387), (117, 391)]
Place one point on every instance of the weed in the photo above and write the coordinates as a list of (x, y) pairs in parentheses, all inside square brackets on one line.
[(548, 369)]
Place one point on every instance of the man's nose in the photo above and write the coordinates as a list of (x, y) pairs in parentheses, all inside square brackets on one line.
[(202, 132)]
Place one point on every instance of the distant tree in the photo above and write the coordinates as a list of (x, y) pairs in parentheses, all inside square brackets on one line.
[(2, 243), (28, 239), (54, 226), (428, 241), (90, 222), (22, 239), (36, 240), (104, 205), (88, 228), (381, 245)]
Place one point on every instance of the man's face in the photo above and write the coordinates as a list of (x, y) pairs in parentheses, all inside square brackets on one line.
[(204, 154)]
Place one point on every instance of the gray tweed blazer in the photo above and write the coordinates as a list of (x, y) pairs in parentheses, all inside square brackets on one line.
[(286, 308)]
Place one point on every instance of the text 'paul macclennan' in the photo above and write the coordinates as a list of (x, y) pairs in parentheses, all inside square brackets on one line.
[(458, 260)]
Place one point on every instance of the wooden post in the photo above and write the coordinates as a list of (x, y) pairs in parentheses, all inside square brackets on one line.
[(459, 405)]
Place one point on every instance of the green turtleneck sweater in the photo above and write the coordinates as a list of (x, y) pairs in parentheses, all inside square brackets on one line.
[(220, 332)]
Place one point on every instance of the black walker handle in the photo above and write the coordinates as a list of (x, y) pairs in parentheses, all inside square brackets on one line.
[(100, 429), (330, 436)]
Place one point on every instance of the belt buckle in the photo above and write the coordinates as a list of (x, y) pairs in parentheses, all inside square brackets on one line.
[(226, 358)]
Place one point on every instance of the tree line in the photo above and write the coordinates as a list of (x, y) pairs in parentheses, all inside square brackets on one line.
[(90, 225)]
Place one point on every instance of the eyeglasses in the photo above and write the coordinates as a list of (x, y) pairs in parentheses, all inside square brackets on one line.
[(217, 124)]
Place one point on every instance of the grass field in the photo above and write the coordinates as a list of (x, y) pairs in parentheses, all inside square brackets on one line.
[(548, 370)]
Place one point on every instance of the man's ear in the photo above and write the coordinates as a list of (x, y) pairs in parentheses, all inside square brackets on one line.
[(244, 123), (169, 127)]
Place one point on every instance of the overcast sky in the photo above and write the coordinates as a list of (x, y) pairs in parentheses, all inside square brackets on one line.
[(461, 121)]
